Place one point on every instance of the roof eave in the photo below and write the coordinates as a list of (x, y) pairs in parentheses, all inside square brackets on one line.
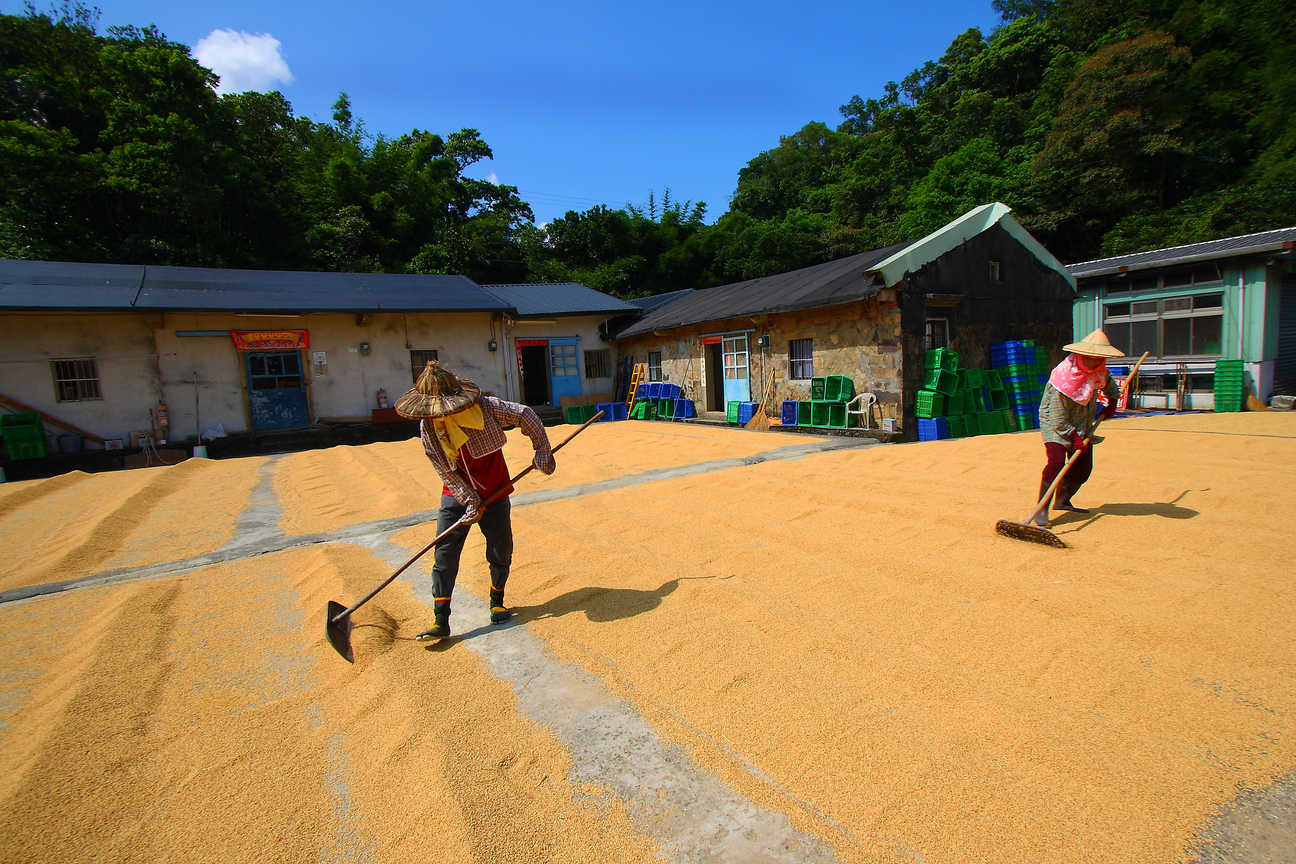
[(1256, 251)]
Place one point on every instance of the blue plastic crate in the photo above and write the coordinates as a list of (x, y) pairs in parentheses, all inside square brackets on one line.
[(789, 415), (609, 412), (1002, 346), (670, 391), (654, 390), (641, 392), (933, 429), (684, 409), (745, 412), (619, 411)]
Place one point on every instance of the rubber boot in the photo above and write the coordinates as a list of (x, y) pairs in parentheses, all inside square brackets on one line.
[(441, 614), (498, 614), (1042, 517), (1064, 493)]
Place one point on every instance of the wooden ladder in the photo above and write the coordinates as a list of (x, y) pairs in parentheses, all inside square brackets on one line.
[(640, 374)]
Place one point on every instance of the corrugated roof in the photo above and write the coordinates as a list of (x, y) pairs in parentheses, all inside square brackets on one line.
[(1228, 247), (540, 299), (35, 285), (651, 302), (401, 292), (842, 281)]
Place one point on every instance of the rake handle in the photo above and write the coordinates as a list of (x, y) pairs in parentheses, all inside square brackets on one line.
[(1048, 496), (458, 522)]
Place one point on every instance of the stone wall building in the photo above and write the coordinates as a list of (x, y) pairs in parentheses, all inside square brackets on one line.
[(871, 317)]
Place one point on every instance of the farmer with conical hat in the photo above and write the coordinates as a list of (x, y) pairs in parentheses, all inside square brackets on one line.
[(462, 435), (1067, 415)]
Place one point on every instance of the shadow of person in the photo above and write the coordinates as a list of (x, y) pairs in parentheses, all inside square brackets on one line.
[(1168, 510), (602, 605)]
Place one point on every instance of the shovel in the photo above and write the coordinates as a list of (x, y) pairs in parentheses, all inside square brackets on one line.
[(337, 626), (1024, 530)]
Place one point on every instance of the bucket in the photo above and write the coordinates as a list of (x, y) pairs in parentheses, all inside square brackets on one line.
[(69, 443), (200, 451)]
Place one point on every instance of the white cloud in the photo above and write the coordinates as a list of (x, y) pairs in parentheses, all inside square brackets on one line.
[(491, 178), (244, 61)]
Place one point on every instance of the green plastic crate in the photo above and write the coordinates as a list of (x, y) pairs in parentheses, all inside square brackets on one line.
[(957, 428), (820, 412), (945, 383), (992, 381), (954, 404), (638, 410), (23, 445), (1039, 355), (803, 412), (650, 410), (837, 415), (929, 404), (998, 400), (578, 414), (942, 358), (665, 409), (974, 399), (26, 423), (818, 386), (731, 412), (839, 388), (1024, 423)]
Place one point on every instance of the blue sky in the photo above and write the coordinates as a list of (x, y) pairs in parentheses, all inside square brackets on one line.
[(586, 103)]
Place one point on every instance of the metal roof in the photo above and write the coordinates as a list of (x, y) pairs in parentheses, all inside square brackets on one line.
[(842, 281), (652, 301), (540, 299), (954, 234), (61, 285), (1278, 240)]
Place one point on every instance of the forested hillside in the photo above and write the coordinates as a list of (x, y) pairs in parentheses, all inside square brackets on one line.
[(1109, 125)]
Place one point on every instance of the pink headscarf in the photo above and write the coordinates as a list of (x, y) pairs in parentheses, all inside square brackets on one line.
[(1075, 381)]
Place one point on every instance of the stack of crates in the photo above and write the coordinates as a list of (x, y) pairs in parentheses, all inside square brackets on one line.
[(24, 435), (937, 398), (1019, 366), (826, 407), (1230, 389)]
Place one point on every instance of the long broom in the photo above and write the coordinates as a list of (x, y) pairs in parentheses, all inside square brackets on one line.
[(1024, 530), (337, 624)]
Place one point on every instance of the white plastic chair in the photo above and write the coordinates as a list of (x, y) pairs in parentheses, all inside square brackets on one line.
[(865, 402)]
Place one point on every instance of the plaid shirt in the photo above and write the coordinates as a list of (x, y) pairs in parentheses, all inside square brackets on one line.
[(1062, 417), (484, 441)]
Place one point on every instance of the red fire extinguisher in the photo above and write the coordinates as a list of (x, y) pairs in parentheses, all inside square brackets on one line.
[(382, 398)]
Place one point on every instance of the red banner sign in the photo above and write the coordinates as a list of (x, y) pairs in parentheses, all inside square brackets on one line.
[(711, 340), (270, 340)]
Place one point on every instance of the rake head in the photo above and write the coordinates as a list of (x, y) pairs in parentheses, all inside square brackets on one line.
[(337, 628), (1029, 533)]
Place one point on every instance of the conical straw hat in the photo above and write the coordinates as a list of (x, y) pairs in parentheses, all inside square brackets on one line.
[(438, 393), (1096, 344)]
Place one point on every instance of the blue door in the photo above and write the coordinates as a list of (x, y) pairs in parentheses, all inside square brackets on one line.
[(276, 389), (563, 370), (737, 385)]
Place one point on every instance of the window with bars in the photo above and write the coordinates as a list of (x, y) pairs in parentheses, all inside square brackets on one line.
[(654, 366), (598, 363), (937, 333), (76, 380), (801, 358), (419, 361)]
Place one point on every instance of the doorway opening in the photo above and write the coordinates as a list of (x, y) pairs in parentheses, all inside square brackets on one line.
[(533, 361), (715, 377), (276, 394)]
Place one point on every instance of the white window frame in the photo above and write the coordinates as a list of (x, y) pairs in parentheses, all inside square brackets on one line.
[(562, 360), (735, 356), (798, 365)]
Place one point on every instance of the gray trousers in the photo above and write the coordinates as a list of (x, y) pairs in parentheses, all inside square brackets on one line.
[(497, 526)]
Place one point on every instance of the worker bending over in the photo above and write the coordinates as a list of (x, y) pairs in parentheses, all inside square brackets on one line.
[(462, 435), (1067, 415)]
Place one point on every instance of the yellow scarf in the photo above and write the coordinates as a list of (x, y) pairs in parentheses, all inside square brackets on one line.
[(450, 429)]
